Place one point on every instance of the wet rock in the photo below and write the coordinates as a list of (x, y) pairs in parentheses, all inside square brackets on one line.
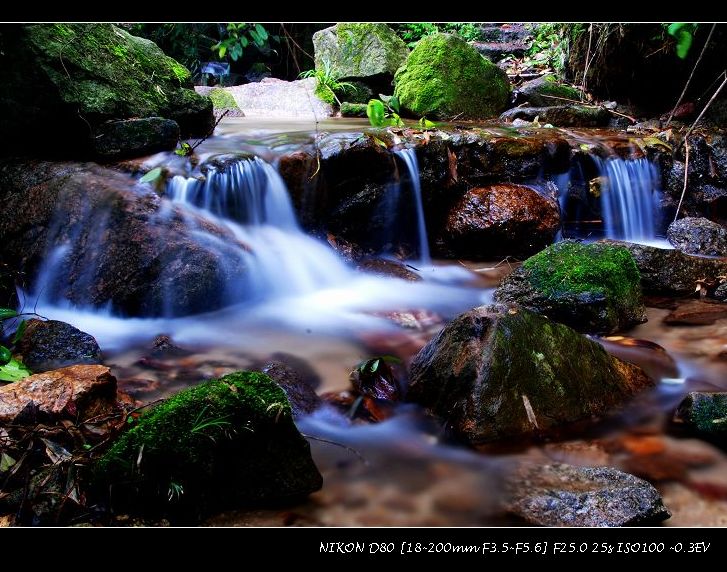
[(500, 220), (546, 91), (135, 137), (565, 495), (498, 372), (388, 268), (224, 443), (704, 412), (301, 396), (672, 272), (274, 97), (223, 102), (696, 313), (78, 392), (561, 115), (375, 378), (52, 344), (721, 292), (445, 77), (164, 347), (60, 82), (125, 246), (698, 236), (593, 288)]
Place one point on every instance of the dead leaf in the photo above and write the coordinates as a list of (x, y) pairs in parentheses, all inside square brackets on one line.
[(55, 452), (452, 160)]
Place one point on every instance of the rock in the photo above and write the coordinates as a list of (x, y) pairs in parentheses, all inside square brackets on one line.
[(498, 42), (135, 137), (222, 100), (671, 272), (721, 292), (359, 50), (52, 344), (546, 91), (696, 313), (277, 98), (565, 495), (375, 378), (387, 268), (593, 288), (77, 392), (301, 396), (500, 372), (561, 115), (500, 220), (444, 77), (129, 248), (704, 412), (698, 236), (224, 443), (60, 82), (164, 347), (496, 51), (353, 109)]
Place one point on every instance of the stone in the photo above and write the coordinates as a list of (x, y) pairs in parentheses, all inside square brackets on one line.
[(698, 235), (301, 396), (224, 443), (77, 392), (499, 372), (696, 313), (546, 91), (445, 77), (135, 137), (593, 288), (273, 97), (387, 268), (52, 344), (565, 495), (561, 115), (359, 50), (349, 109), (500, 220), (704, 412)]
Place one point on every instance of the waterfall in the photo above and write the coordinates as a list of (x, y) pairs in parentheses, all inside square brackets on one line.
[(409, 158), (629, 198)]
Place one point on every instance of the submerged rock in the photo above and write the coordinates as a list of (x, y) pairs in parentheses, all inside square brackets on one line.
[(565, 495), (78, 392), (497, 372), (561, 115), (593, 288), (696, 313), (445, 77), (546, 91), (500, 220), (224, 443), (697, 235), (301, 395), (704, 412), (52, 344)]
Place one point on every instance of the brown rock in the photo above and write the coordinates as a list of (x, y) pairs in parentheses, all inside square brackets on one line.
[(500, 220), (696, 313), (77, 392)]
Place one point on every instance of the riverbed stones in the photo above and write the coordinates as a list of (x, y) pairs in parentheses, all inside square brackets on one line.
[(561, 115), (698, 235), (51, 344)]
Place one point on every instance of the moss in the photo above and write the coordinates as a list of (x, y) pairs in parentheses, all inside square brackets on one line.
[(705, 412), (349, 109), (325, 94), (445, 77), (222, 99)]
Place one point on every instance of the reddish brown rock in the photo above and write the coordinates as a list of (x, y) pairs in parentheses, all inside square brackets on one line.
[(77, 392), (500, 220), (697, 313)]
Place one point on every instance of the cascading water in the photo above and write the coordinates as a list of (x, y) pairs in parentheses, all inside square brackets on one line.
[(409, 158), (629, 198)]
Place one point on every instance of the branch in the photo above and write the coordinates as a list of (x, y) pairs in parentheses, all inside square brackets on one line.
[(686, 177), (209, 134), (706, 107)]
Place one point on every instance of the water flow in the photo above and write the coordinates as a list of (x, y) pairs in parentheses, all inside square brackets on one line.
[(409, 157), (629, 198)]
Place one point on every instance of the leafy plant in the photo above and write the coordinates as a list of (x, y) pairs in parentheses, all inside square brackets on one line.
[(684, 34), (384, 112), (176, 490), (10, 368), (412, 32), (240, 36), (328, 85)]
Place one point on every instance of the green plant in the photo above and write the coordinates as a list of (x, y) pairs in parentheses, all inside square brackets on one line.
[(412, 32), (384, 112), (684, 34), (10, 368), (240, 36), (328, 84)]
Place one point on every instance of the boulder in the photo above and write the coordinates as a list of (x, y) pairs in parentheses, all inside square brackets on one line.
[(697, 313), (500, 220), (445, 77), (500, 372), (301, 395), (594, 288), (78, 392), (60, 82), (125, 246), (564, 495), (273, 97), (546, 91), (697, 235), (349, 109), (359, 50), (52, 344), (135, 137), (561, 115), (704, 412), (226, 442)]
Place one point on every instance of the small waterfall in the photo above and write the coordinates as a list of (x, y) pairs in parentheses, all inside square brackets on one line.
[(409, 158), (629, 198)]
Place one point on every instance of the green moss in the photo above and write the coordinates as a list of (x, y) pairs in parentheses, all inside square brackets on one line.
[(325, 94), (349, 109), (222, 99), (445, 77), (707, 412)]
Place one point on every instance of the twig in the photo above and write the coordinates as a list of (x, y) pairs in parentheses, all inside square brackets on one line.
[(686, 177), (691, 75), (209, 134), (349, 449), (588, 55), (714, 96)]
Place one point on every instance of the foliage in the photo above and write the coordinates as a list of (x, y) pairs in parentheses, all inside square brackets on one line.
[(239, 36), (328, 85), (12, 369), (412, 32), (684, 34), (384, 112)]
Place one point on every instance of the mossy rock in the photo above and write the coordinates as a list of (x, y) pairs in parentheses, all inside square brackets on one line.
[(224, 443), (135, 137), (359, 50), (546, 91), (222, 99), (502, 372), (349, 109), (594, 288), (59, 81), (704, 413), (444, 77)]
